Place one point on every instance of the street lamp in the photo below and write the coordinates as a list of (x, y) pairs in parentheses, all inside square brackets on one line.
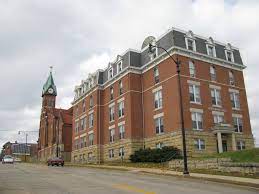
[(177, 62), (26, 137)]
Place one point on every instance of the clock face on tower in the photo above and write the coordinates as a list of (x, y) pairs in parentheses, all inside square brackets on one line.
[(50, 90)]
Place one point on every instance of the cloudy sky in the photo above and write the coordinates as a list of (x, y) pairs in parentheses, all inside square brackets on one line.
[(80, 36)]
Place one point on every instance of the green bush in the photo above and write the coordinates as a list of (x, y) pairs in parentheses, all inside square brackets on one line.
[(156, 155)]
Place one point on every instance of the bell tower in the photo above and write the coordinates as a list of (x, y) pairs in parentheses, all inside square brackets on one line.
[(49, 92)]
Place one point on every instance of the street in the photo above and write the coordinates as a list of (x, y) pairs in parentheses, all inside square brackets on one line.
[(40, 179)]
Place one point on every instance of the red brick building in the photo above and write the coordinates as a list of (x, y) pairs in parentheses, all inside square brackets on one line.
[(134, 102), (55, 126)]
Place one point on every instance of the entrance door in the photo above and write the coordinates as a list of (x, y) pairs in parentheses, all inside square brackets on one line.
[(224, 145)]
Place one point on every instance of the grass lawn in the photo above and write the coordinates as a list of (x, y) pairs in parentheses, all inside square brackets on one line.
[(251, 156)]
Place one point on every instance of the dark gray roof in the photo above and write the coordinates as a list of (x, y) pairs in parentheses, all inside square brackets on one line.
[(172, 38)]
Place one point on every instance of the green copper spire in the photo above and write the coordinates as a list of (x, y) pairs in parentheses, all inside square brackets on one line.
[(49, 87)]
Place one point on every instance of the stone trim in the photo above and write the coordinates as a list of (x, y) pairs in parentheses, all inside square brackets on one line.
[(237, 115), (157, 89), (90, 132), (215, 87), (111, 127), (120, 100), (196, 110), (82, 135), (217, 113), (233, 90), (158, 115), (77, 137), (121, 123), (90, 112), (193, 82)]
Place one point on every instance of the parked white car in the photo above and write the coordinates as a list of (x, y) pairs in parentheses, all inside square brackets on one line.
[(7, 159)]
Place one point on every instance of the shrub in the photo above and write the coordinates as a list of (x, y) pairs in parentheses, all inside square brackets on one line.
[(156, 155)]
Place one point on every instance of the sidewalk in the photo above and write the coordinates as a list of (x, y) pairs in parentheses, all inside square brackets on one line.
[(217, 178)]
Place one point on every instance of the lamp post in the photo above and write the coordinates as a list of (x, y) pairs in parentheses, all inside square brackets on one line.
[(177, 62), (26, 137)]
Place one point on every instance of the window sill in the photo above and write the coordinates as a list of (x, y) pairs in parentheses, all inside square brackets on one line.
[(198, 103), (236, 109), (216, 106), (160, 133), (197, 130), (156, 109), (121, 117), (111, 121)]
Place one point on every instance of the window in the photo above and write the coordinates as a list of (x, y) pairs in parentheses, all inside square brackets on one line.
[(111, 153), (190, 44), (238, 124), (159, 124), (112, 135), (111, 93), (81, 142), (91, 120), (218, 118), (82, 124), (194, 93), (91, 139), (122, 131), (192, 69), (159, 145), (120, 87), (77, 127), (211, 50), (121, 152), (76, 144), (90, 156), (216, 98), (234, 97), (231, 78), (229, 56), (121, 109), (84, 140), (83, 105), (241, 145), (197, 121), (119, 67), (77, 111), (91, 102), (110, 73), (212, 73), (158, 100), (156, 74), (199, 144), (111, 113)]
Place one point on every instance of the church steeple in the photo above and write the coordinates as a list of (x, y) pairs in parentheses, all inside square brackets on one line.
[(49, 87), (49, 92)]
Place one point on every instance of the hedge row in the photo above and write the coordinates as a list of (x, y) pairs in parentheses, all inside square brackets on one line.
[(156, 155)]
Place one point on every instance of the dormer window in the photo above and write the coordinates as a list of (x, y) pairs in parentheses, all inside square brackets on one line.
[(119, 67), (190, 41), (229, 56), (229, 53), (211, 50), (110, 73)]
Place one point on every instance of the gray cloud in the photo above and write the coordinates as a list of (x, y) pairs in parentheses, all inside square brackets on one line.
[(78, 37)]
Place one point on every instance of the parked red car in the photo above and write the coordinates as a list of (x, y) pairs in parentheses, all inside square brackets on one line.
[(55, 161)]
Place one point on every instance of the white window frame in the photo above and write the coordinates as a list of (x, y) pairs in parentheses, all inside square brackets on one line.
[(231, 78), (121, 152), (158, 99), (160, 122), (241, 144), (91, 101), (231, 55), (196, 93), (160, 145), (112, 135), (217, 116), (91, 120), (198, 144), (213, 74), (111, 93), (198, 117), (91, 139), (217, 97), (112, 113), (122, 131), (111, 153), (236, 100), (119, 67), (121, 108), (120, 87), (239, 123), (156, 74), (193, 44), (110, 73), (213, 50), (192, 69)]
